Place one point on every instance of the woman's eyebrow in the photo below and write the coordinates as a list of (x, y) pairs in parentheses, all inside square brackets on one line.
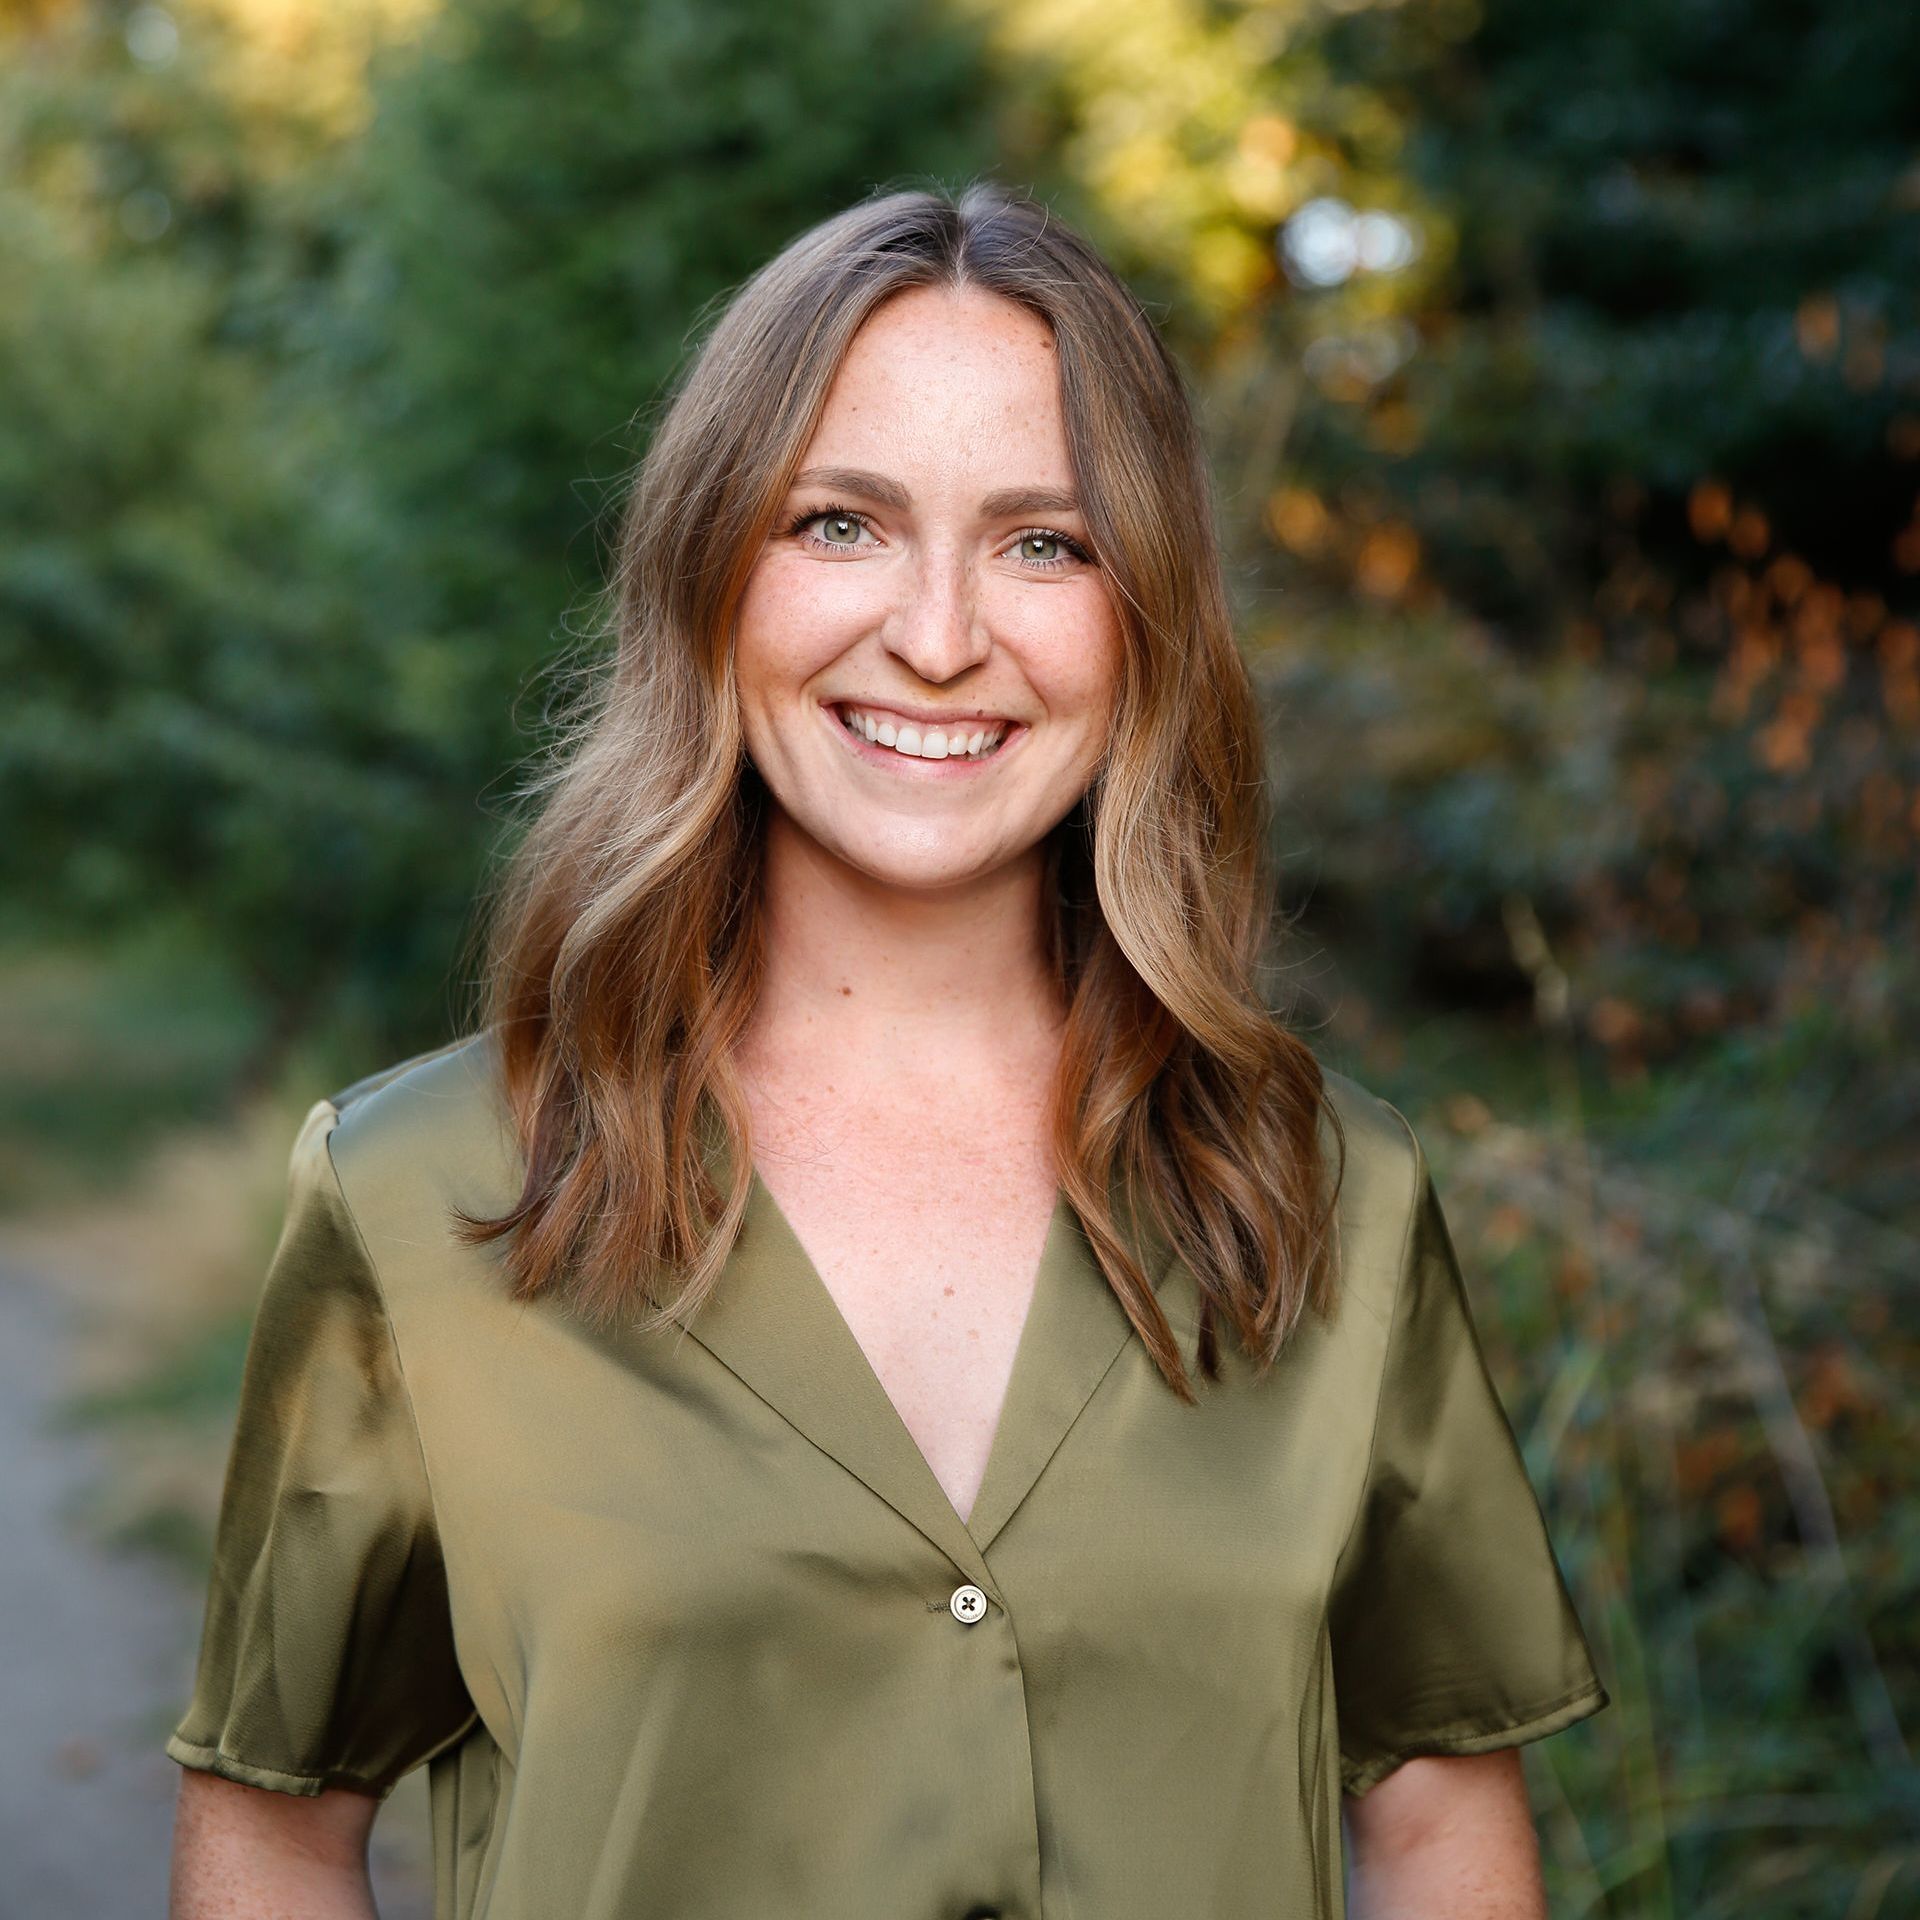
[(890, 493)]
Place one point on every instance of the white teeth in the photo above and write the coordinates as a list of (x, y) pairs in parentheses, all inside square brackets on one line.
[(934, 744)]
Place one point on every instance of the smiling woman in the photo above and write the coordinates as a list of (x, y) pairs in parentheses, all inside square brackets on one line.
[(752, 1416)]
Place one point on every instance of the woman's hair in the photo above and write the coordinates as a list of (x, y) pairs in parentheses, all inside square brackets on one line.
[(623, 938)]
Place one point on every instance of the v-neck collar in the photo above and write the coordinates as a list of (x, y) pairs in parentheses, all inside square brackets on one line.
[(773, 1322)]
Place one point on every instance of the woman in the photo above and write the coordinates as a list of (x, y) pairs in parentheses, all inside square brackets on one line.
[(752, 1417)]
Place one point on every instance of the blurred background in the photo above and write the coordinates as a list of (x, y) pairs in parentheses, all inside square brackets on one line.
[(1562, 370)]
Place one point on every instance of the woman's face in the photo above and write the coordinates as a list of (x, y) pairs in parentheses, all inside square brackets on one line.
[(929, 575)]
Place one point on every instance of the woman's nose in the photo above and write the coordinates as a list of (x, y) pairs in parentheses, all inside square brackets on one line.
[(939, 626)]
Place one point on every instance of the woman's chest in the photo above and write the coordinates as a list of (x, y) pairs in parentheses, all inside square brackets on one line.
[(743, 1495), (930, 1258)]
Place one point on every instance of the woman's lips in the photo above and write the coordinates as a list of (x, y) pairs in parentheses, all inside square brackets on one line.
[(954, 766)]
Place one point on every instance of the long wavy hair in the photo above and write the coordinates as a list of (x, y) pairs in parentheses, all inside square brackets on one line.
[(622, 937)]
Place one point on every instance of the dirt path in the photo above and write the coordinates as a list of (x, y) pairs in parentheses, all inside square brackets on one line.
[(99, 1659)]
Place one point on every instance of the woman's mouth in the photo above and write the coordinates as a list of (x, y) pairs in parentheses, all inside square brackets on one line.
[(963, 743)]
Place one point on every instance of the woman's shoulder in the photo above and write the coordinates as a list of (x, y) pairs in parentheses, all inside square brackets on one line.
[(1378, 1140), (461, 1058), (1383, 1171), (431, 1128)]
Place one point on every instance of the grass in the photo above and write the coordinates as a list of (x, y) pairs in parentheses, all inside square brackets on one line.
[(105, 1052), (197, 1383)]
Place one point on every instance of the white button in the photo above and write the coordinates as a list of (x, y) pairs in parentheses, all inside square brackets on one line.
[(968, 1604)]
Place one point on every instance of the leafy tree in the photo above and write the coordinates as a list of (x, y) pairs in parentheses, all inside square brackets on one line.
[(323, 496), (1684, 250)]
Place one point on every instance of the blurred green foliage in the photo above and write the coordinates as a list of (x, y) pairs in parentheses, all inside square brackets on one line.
[(1562, 367), (100, 1050), (302, 485), (1685, 249)]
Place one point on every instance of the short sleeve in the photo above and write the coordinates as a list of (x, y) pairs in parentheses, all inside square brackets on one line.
[(326, 1654), (1452, 1628)]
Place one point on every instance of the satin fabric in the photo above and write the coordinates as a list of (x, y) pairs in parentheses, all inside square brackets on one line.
[(667, 1617)]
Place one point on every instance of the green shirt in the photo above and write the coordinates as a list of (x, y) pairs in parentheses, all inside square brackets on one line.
[(685, 1628)]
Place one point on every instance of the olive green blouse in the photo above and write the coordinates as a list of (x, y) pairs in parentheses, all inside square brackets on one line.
[(685, 1628)]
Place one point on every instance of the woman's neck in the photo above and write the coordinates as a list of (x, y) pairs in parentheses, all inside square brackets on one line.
[(920, 982)]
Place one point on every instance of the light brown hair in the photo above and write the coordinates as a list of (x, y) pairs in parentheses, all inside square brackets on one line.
[(622, 952)]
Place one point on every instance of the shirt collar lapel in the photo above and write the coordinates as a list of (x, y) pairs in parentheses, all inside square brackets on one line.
[(1076, 1329), (772, 1322)]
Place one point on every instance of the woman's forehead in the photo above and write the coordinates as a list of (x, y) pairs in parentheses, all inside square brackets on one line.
[(950, 381)]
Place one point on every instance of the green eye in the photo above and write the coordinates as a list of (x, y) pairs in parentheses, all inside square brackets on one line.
[(1068, 552)]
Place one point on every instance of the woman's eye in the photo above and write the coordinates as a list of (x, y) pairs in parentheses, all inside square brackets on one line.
[(828, 527), (1032, 551)]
